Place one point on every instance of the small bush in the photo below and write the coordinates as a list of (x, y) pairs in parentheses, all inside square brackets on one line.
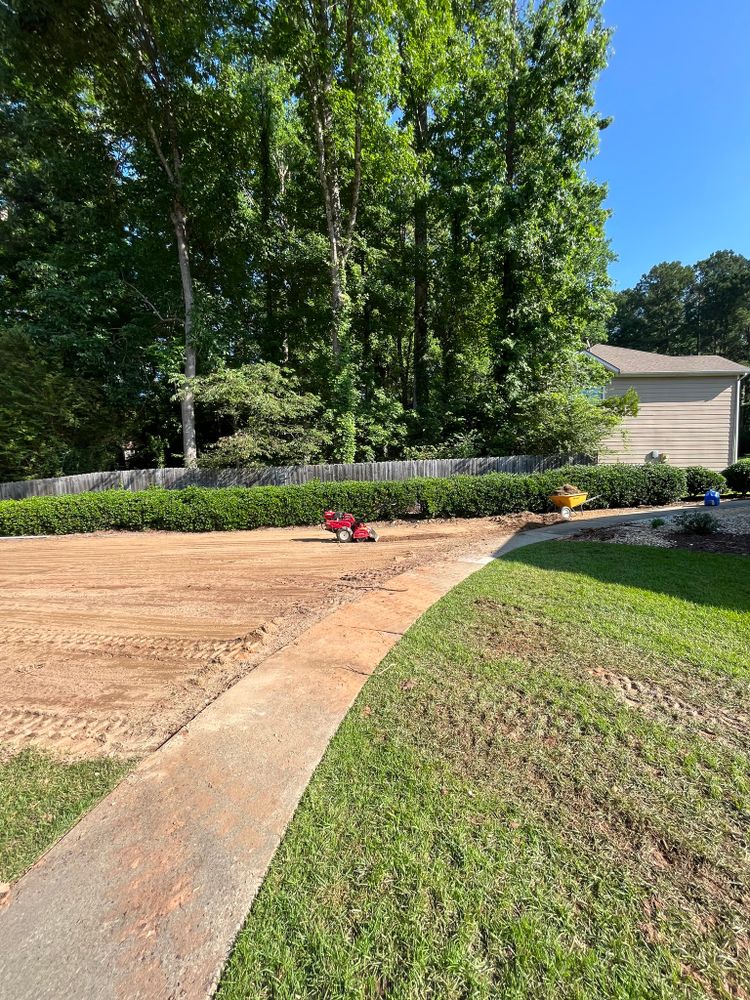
[(658, 522), (700, 480), (235, 508), (738, 476), (698, 522)]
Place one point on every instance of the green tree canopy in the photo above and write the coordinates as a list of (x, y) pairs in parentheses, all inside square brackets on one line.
[(272, 421), (703, 308), (386, 201)]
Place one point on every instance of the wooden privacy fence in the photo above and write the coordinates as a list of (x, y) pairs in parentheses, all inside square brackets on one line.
[(173, 479)]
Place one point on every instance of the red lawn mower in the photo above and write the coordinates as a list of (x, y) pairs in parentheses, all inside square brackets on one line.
[(347, 528)]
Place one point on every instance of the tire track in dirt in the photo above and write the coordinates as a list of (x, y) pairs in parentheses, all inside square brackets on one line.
[(71, 735)]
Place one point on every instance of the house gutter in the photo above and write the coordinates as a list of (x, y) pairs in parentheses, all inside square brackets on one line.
[(693, 374)]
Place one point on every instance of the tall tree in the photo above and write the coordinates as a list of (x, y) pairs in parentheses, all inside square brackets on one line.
[(426, 39), (653, 316), (688, 309), (69, 267), (150, 68), (342, 55), (548, 227), (524, 224), (718, 309)]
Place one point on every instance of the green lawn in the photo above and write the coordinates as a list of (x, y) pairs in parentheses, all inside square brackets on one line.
[(543, 792), (41, 798)]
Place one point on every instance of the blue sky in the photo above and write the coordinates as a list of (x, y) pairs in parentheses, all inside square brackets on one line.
[(677, 157)]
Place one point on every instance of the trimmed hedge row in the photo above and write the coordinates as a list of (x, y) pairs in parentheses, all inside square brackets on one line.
[(738, 476), (235, 508)]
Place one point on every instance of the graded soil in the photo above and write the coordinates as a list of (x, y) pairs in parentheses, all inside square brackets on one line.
[(110, 642)]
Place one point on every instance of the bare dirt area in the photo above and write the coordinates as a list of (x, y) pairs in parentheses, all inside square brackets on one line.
[(110, 642)]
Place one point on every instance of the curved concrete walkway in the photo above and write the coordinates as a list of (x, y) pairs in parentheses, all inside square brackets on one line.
[(144, 897)]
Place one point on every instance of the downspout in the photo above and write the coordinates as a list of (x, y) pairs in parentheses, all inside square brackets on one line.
[(737, 415)]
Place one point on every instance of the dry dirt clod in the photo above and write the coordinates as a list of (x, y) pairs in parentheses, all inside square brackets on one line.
[(566, 490)]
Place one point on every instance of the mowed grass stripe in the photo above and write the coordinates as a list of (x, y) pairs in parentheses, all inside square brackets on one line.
[(543, 792)]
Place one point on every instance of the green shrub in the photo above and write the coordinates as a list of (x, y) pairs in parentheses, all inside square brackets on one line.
[(698, 522), (738, 476), (476, 496), (658, 522), (700, 480), (237, 508), (614, 485)]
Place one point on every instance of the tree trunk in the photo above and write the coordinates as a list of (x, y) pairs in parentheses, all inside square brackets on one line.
[(420, 385), (403, 369), (340, 228), (266, 196), (189, 447), (509, 277), (366, 324), (450, 318), (328, 173)]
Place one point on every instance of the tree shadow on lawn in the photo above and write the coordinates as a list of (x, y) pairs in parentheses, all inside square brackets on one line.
[(704, 578)]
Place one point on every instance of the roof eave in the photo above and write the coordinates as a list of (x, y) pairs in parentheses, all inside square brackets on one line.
[(601, 361), (737, 372), (734, 373)]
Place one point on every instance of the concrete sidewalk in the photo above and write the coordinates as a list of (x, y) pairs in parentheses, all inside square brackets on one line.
[(144, 897)]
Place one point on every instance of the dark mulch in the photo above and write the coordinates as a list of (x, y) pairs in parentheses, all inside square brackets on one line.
[(722, 541), (593, 535)]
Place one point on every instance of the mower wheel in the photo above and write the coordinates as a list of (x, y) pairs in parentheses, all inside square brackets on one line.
[(343, 535)]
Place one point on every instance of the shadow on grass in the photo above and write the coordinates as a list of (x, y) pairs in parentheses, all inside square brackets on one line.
[(705, 578)]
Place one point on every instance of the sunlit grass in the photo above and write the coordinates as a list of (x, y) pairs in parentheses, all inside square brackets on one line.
[(543, 792)]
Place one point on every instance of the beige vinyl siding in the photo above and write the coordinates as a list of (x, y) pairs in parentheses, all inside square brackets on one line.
[(691, 418)]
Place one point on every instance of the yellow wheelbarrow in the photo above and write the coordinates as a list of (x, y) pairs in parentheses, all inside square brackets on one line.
[(567, 502)]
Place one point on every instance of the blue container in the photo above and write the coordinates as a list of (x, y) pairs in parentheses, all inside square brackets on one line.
[(712, 498)]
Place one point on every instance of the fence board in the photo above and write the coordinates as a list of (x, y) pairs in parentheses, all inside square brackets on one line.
[(140, 479)]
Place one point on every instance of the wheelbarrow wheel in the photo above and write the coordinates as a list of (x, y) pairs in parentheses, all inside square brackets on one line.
[(566, 513)]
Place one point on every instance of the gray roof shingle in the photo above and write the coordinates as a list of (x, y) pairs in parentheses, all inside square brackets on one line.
[(629, 362)]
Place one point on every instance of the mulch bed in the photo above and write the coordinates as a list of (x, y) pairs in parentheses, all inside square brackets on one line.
[(722, 541)]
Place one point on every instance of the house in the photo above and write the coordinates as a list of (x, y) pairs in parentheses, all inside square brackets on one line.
[(689, 407)]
